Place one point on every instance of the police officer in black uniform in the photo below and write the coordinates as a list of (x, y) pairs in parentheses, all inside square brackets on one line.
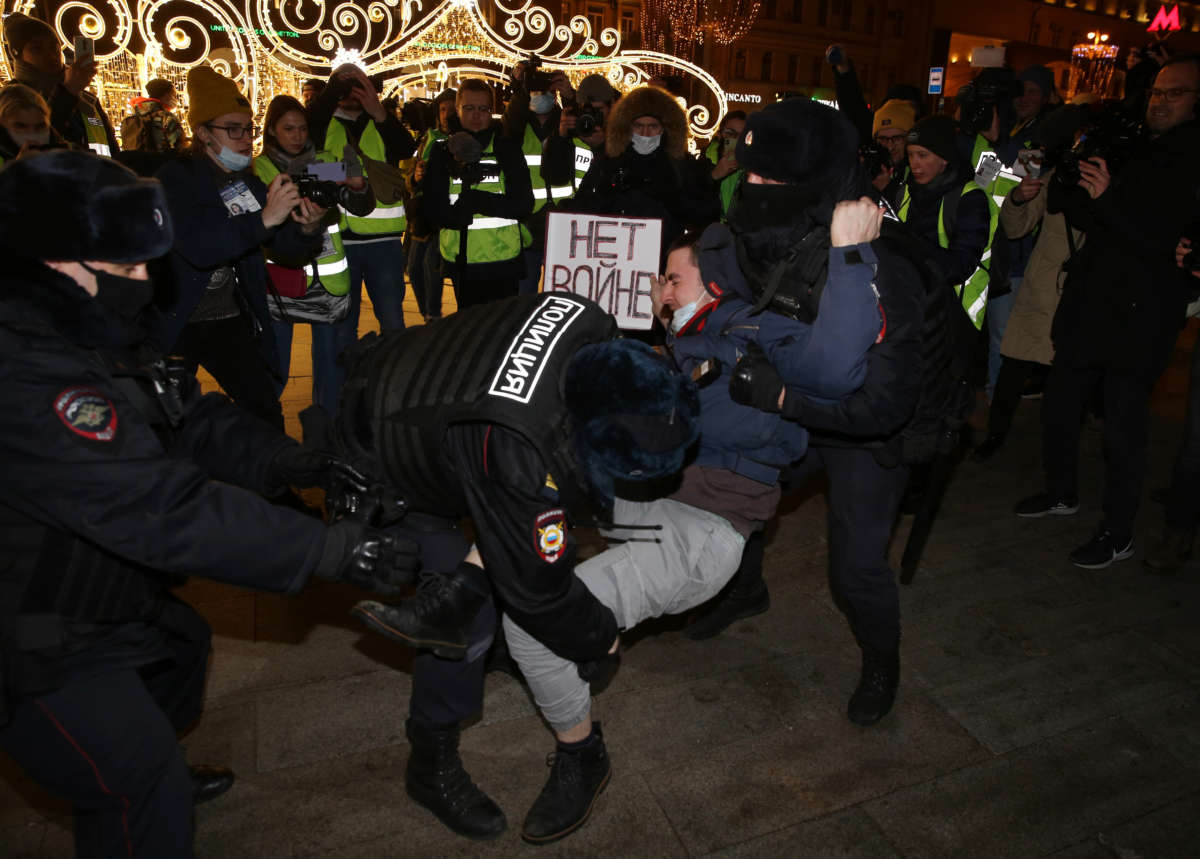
[(514, 413), (119, 482)]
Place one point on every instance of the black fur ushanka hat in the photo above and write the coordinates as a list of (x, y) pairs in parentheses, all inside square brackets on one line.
[(67, 205)]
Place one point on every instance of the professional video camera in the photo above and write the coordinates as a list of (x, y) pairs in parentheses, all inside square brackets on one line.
[(980, 98), (1112, 134), (320, 192), (463, 155)]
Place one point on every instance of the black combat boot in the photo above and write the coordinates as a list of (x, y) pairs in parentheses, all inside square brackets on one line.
[(435, 778), (438, 617), (876, 691), (579, 772), (745, 596)]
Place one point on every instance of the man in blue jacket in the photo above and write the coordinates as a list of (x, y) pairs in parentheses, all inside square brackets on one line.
[(728, 492), (120, 481)]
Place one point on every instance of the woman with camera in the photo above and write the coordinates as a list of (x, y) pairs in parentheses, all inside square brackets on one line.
[(213, 292), (317, 290)]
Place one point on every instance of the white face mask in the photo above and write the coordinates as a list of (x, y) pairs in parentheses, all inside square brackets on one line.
[(543, 102), (683, 315), (36, 138), (643, 145), (232, 161)]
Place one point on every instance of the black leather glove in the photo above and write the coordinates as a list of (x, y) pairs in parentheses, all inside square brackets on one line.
[(599, 672), (370, 559), (305, 468), (755, 382), (376, 505)]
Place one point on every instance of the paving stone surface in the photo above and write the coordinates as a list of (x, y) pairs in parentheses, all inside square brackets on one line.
[(1043, 711)]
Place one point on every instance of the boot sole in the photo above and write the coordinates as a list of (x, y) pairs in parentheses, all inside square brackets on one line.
[(485, 836), (1054, 511), (444, 649), (557, 836)]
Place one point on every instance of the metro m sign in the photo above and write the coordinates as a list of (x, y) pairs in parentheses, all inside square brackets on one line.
[(1164, 21)]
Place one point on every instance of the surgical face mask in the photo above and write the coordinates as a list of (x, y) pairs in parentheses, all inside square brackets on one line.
[(124, 297), (643, 145), (230, 160), (543, 102), (683, 315), (35, 138)]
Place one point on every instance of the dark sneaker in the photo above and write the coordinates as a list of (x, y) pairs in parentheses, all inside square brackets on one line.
[(1100, 551), (577, 778), (209, 782), (877, 685), (988, 448), (737, 604), (1045, 504)]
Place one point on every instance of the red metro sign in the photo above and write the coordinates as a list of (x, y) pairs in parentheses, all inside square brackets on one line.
[(1164, 21)]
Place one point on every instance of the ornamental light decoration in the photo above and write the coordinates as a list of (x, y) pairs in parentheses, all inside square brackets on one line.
[(728, 20), (415, 47)]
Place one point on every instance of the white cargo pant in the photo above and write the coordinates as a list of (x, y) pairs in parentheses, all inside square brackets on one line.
[(654, 573)]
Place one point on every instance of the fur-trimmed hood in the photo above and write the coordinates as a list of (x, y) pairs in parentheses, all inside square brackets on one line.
[(646, 101)]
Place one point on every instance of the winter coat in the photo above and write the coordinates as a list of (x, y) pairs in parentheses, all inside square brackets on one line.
[(1124, 300), (207, 236), (1027, 336)]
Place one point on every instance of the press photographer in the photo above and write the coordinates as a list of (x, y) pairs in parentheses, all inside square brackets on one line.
[(1122, 308), (568, 154), (313, 289), (477, 198)]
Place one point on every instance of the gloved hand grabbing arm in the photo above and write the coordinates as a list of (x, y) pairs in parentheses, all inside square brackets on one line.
[(369, 559), (305, 468), (755, 382)]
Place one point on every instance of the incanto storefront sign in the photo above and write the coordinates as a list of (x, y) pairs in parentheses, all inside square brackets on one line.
[(743, 98)]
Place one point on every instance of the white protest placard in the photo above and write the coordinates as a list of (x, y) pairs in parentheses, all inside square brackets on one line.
[(610, 259)]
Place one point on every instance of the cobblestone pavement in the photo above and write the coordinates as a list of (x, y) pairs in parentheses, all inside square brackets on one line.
[(1044, 710)]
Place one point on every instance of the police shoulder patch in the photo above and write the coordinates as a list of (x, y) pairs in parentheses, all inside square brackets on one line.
[(550, 534), (87, 412)]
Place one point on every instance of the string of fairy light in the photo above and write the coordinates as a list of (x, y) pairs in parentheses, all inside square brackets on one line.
[(415, 46)]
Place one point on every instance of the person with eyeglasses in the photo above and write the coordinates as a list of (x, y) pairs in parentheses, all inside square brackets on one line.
[(1122, 307), (212, 290)]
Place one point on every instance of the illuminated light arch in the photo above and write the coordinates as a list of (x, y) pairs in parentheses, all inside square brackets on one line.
[(270, 46)]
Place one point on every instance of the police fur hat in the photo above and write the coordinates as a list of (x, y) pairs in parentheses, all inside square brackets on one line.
[(67, 205), (633, 416), (646, 101), (799, 142)]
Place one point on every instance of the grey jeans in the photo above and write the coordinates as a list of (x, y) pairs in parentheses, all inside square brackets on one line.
[(694, 555)]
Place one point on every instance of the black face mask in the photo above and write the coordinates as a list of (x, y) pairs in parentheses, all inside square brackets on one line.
[(124, 297), (760, 207)]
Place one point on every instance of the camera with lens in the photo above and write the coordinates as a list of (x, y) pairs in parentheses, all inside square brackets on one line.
[(979, 99), (1113, 135), (462, 156), (588, 120), (319, 192), (535, 79), (875, 158)]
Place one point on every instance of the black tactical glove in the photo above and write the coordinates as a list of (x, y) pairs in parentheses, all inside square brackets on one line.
[(376, 505), (305, 468), (755, 382), (600, 672), (370, 559)]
